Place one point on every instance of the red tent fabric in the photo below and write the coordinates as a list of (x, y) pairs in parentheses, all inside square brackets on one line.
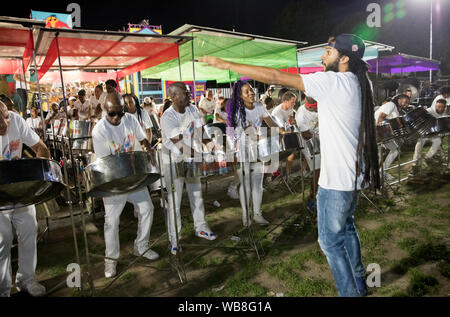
[(126, 53), (16, 44)]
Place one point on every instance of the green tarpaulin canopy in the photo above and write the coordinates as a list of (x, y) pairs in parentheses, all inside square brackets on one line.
[(232, 46)]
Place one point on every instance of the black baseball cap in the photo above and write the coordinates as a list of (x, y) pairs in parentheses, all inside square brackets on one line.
[(350, 43)]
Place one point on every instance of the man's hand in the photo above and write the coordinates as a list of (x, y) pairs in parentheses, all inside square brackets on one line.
[(214, 61)]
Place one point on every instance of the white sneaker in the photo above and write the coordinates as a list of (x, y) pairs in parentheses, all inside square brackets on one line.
[(388, 177), (150, 254), (259, 219), (110, 268), (33, 288), (174, 249), (244, 221), (232, 193), (206, 234)]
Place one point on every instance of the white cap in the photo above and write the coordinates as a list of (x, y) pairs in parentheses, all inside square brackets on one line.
[(147, 100), (72, 98)]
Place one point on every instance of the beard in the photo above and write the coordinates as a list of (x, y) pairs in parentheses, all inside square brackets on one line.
[(333, 67)]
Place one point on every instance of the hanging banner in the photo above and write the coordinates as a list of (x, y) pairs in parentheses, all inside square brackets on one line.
[(53, 20), (200, 87)]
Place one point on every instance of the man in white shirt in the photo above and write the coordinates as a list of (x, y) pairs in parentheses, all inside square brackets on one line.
[(14, 132), (283, 115), (83, 106), (439, 110), (307, 121), (207, 106), (445, 94), (391, 110), (116, 133), (348, 159), (181, 127), (97, 101)]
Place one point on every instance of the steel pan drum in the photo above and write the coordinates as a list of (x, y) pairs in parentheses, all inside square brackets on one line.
[(419, 120), (81, 131), (440, 127), (25, 182), (400, 128), (213, 128), (119, 174)]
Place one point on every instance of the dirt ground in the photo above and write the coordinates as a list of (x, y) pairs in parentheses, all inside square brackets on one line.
[(409, 241)]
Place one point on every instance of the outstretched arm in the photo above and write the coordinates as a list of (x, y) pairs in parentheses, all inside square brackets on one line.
[(260, 73)]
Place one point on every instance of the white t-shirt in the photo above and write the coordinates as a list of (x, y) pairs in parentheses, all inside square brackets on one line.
[(222, 114), (282, 116), (253, 117), (109, 139), (174, 123), (18, 133), (307, 120), (389, 108), (34, 123), (207, 105), (83, 109), (145, 118), (339, 98)]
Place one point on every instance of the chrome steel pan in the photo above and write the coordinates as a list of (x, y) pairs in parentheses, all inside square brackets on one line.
[(25, 182), (119, 174)]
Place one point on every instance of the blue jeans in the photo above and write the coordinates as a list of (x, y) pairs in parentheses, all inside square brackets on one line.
[(338, 238)]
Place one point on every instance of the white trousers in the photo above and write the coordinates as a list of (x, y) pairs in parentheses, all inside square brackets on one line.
[(393, 152), (256, 172), (194, 191), (143, 207), (24, 221), (435, 145)]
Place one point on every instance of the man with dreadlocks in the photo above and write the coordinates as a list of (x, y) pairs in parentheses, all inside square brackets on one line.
[(349, 153)]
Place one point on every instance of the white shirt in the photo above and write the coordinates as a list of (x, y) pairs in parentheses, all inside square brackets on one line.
[(389, 108), (145, 122), (307, 120), (253, 117), (174, 123), (83, 109), (109, 139), (207, 105), (222, 114), (282, 116), (18, 134), (339, 98), (34, 123)]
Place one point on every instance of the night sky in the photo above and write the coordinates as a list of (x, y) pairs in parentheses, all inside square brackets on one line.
[(409, 35)]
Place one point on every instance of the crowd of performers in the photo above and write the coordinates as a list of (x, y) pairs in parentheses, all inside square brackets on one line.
[(340, 99)]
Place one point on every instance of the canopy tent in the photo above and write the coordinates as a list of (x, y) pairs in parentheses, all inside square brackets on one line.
[(103, 50), (402, 63), (77, 76), (232, 46), (16, 44)]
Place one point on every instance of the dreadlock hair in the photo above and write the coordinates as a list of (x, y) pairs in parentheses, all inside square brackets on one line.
[(235, 106), (366, 150), (138, 105)]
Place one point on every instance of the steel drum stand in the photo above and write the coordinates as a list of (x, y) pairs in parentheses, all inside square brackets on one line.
[(178, 265)]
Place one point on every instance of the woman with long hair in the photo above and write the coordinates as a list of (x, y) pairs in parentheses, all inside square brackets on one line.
[(245, 116), (132, 106)]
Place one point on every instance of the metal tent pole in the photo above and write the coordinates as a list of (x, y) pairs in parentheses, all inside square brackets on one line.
[(193, 72), (69, 195)]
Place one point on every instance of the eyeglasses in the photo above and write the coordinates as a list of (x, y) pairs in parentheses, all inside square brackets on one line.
[(112, 114)]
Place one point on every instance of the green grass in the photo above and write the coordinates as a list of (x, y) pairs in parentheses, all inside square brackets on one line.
[(420, 284), (421, 253)]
